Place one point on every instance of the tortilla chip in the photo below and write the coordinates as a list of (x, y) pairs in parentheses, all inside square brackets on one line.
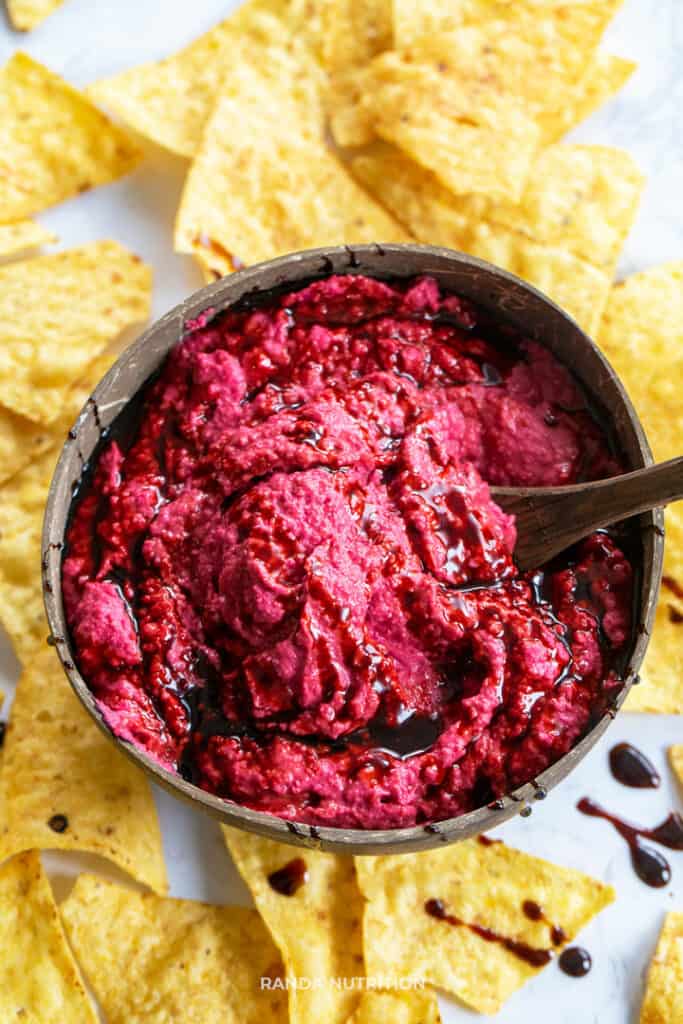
[(23, 236), (263, 185), (676, 759), (663, 1002), (435, 216), (474, 136), (642, 336), (167, 960), (65, 786), (28, 14), (605, 76), (60, 311), (414, 1006), (317, 929), (170, 101), (582, 199), (22, 440), (480, 885), (55, 142), (39, 980)]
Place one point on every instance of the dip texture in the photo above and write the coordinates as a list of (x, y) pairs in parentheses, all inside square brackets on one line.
[(286, 578)]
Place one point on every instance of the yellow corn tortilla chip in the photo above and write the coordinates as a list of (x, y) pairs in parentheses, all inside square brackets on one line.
[(642, 336), (262, 185), (471, 134), (22, 506), (22, 440), (55, 142), (603, 79), (22, 236), (435, 216), (663, 1002), (317, 929), (65, 786), (60, 311), (170, 101), (150, 958), (414, 1006), (28, 14), (676, 759), (580, 198), (39, 980), (483, 886)]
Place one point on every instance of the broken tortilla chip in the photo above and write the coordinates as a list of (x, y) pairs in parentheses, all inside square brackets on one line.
[(65, 786), (676, 759), (58, 313), (24, 235), (663, 1002), (453, 917), (55, 142), (316, 926), (472, 135), (28, 14), (170, 101), (642, 336), (603, 79), (262, 185), (22, 440), (413, 1006), (39, 979), (153, 958), (435, 216)]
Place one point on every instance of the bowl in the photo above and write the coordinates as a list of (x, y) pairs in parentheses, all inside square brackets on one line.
[(512, 301)]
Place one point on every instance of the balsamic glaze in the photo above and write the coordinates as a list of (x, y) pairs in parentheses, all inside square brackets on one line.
[(534, 911), (650, 866), (575, 961), (3, 730), (529, 954), (289, 879), (632, 768), (59, 823), (488, 841)]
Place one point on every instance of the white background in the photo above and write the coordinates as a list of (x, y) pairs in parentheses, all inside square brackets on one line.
[(88, 39)]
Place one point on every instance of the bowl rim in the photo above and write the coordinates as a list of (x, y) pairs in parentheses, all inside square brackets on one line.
[(99, 412)]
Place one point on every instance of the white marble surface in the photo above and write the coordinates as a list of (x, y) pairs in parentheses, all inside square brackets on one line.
[(90, 38)]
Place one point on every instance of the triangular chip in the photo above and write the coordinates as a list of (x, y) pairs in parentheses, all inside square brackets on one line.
[(315, 921), (263, 184), (149, 958), (676, 759), (27, 14), (22, 440), (454, 917), (55, 143), (169, 101), (39, 980), (663, 1002), (437, 217), (413, 1006), (474, 136), (642, 336), (65, 786), (22, 236), (603, 79), (60, 311)]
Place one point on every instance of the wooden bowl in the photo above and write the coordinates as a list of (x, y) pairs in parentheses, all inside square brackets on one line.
[(511, 300)]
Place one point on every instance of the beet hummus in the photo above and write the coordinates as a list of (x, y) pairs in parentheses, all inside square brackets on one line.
[(285, 577)]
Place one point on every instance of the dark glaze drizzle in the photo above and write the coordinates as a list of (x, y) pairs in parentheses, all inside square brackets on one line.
[(575, 961), (289, 879), (534, 911), (650, 866), (631, 767), (529, 954)]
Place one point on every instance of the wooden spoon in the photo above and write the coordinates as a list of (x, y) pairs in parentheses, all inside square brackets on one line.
[(550, 519)]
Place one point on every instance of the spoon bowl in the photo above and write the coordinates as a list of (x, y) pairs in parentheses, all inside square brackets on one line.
[(513, 302)]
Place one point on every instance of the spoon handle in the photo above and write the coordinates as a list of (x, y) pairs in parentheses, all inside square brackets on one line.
[(550, 519)]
